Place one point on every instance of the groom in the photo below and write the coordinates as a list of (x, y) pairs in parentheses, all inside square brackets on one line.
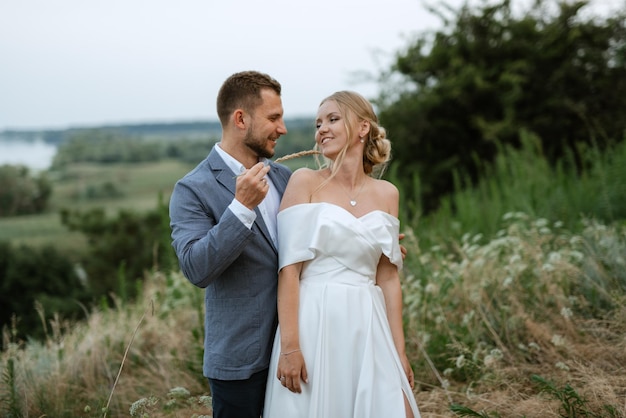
[(223, 221)]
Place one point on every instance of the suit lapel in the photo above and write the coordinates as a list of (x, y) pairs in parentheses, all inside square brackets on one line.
[(279, 181), (226, 178)]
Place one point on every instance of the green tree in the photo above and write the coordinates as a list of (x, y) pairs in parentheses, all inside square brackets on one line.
[(41, 276), (121, 249), (488, 74), (22, 193)]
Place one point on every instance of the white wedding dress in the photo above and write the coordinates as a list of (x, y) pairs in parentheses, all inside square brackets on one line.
[(353, 367)]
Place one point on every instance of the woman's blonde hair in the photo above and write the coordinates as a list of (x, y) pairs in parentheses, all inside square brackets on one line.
[(354, 109)]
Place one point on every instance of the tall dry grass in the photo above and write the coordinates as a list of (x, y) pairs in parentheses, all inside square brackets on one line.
[(73, 373), (489, 319), (531, 323)]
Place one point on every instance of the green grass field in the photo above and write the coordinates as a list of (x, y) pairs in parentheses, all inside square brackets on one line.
[(88, 186)]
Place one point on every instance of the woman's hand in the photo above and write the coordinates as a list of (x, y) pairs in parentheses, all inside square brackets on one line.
[(292, 370), (408, 370)]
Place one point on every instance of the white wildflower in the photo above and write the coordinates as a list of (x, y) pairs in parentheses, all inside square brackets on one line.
[(475, 296), (558, 340), (541, 222), (606, 242), (508, 280), (554, 257), (179, 392), (545, 230), (477, 238), (139, 407), (205, 400), (471, 249), (431, 288), (575, 240), (425, 258), (445, 383), (496, 353), (467, 317), (566, 312), (479, 262), (534, 346), (562, 366), (508, 215), (515, 258), (547, 267), (460, 361), (558, 224), (489, 360), (576, 256), (448, 371)]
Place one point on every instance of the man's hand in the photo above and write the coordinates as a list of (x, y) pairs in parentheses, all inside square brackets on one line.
[(402, 247), (252, 186)]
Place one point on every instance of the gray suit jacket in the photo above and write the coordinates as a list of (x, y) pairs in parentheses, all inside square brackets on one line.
[(237, 266)]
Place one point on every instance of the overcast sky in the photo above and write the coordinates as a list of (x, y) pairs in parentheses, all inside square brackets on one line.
[(70, 63), (79, 62)]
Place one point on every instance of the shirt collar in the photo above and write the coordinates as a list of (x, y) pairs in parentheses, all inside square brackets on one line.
[(236, 167)]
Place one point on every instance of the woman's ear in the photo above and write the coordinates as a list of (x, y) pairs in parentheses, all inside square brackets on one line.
[(364, 128)]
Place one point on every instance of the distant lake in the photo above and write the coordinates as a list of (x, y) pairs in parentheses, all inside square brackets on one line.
[(36, 155)]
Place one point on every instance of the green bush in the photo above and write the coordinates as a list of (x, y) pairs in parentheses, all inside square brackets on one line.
[(21, 193), (38, 283), (553, 69), (122, 249)]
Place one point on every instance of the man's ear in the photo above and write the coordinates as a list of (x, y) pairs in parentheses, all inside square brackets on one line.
[(239, 119)]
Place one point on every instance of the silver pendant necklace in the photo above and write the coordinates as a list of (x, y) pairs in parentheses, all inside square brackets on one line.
[(353, 199)]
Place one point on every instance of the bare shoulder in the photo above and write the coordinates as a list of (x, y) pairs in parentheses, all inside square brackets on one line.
[(304, 174), (386, 187), (300, 187), (388, 195)]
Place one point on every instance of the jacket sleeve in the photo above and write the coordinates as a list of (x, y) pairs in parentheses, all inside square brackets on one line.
[(206, 236)]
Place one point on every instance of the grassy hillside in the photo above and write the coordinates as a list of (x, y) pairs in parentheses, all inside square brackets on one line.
[(513, 307), (530, 324)]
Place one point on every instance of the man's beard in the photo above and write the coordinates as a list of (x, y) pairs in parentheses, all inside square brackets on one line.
[(257, 145)]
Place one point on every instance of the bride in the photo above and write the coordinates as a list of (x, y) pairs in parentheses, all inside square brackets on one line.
[(339, 350)]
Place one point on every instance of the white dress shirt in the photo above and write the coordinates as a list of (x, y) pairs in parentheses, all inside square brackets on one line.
[(268, 207)]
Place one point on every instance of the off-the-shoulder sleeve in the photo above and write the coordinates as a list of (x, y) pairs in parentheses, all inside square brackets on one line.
[(389, 238), (309, 230), (298, 234)]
